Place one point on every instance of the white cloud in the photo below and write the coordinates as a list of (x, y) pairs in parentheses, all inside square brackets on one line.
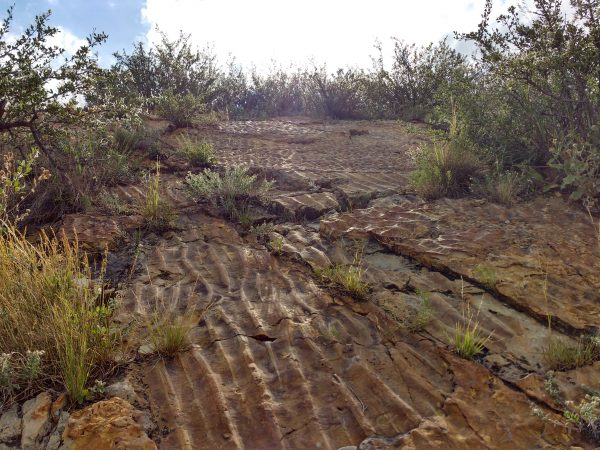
[(338, 32), (67, 40)]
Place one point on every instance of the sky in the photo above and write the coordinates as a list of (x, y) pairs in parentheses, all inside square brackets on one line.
[(339, 33)]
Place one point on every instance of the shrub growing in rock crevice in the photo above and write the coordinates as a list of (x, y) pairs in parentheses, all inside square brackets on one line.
[(232, 190)]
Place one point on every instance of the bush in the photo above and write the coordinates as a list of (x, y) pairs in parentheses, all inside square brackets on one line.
[(198, 153), (579, 162), (544, 89), (14, 176), (180, 110), (171, 66), (233, 190), (55, 324)]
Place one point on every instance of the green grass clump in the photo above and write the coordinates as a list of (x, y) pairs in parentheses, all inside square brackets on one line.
[(55, 328), (233, 190), (276, 245), (158, 215), (467, 339), (169, 334), (446, 168), (197, 153), (562, 355), (486, 275), (348, 278)]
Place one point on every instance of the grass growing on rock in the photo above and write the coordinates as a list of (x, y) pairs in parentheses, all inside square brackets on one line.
[(169, 334), (562, 355), (467, 340), (197, 153), (348, 278), (54, 323), (158, 215), (233, 190), (446, 168)]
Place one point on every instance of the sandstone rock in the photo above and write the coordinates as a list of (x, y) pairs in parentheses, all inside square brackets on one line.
[(58, 405), (109, 424), (531, 262), (55, 438), (307, 206), (36, 421), (10, 425), (96, 232), (123, 390)]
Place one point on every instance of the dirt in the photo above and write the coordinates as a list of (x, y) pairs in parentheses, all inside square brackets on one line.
[(280, 361)]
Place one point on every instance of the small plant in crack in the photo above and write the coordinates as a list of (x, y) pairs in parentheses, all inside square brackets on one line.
[(348, 278), (551, 387), (276, 245), (158, 215), (423, 314), (560, 354), (169, 333), (263, 230), (468, 340), (411, 318), (333, 333), (486, 275)]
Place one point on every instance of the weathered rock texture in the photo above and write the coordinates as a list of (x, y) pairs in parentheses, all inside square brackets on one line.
[(109, 424), (280, 361)]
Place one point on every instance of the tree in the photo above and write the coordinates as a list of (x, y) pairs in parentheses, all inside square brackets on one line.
[(41, 86), (172, 66)]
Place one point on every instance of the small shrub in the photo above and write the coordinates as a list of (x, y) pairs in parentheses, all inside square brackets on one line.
[(348, 278), (263, 230), (586, 416), (233, 190), (158, 215), (169, 335), (14, 188), (180, 110), (467, 340), (209, 119), (112, 203), (561, 355), (197, 153)]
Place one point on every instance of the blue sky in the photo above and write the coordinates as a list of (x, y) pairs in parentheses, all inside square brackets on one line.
[(121, 19), (336, 32)]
